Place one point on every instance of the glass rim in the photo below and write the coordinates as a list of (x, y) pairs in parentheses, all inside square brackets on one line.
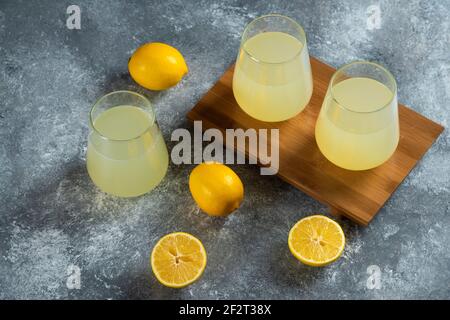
[(91, 120), (295, 23), (360, 62)]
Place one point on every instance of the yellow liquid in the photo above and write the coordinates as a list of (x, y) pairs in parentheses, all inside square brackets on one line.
[(362, 139), (125, 167), (277, 87)]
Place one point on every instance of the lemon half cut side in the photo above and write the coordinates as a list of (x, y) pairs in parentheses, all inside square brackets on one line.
[(178, 259), (316, 240)]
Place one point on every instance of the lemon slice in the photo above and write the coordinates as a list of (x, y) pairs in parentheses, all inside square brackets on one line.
[(178, 259), (316, 240)]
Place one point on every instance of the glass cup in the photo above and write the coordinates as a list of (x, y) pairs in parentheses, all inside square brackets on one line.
[(358, 127), (126, 154), (272, 79)]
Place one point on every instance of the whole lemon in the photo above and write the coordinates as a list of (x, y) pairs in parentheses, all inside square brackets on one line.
[(157, 66), (216, 188)]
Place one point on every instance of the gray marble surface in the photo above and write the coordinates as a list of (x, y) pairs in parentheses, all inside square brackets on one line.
[(52, 216)]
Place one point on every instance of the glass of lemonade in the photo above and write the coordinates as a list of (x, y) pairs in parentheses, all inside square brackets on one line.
[(358, 127), (272, 78), (126, 154)]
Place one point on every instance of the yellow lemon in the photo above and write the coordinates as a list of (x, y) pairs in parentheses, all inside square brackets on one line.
[(316, 240), (178, 259), (216, 188), (157, 66)]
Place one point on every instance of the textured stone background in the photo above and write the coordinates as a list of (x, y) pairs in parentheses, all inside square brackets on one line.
[(51, 215)]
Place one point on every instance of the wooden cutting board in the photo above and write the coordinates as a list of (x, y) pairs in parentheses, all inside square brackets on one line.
[(357, 195)]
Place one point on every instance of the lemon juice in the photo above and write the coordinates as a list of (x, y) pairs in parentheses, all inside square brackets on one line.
[(126, 153), (272, 78), (357, 127)]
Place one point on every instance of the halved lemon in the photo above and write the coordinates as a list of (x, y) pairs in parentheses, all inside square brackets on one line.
[(316, 240), (178, 259)]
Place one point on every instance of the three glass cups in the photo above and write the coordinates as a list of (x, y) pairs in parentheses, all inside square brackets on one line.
[(357, 128)]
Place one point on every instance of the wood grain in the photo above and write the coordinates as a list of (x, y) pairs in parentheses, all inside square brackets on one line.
[(358, 195)]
